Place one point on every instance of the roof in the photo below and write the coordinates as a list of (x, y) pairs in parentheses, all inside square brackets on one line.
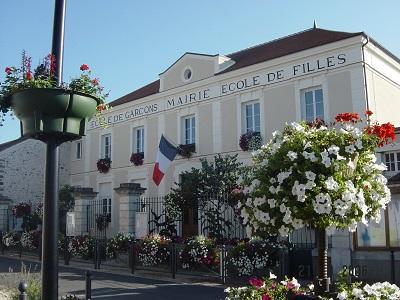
[(300, 41), (297, 42), (147, 90), (11, 143)]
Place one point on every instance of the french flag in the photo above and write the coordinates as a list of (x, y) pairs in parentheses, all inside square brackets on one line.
[(165, 155)]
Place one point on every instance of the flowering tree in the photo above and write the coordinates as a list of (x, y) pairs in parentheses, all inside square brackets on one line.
[(313, 175)]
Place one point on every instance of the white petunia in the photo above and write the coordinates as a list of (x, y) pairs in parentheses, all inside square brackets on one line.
[(272, 276), (283, 208), (350, 149), (322, 204), (310, 175), (292, 155), (259, 201), (333, 150), (283, 231), (272, 203), (297, 223), (342, 295), (331, 184)]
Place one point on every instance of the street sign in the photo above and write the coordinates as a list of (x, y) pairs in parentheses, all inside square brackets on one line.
[(70, 224), (141, 224)]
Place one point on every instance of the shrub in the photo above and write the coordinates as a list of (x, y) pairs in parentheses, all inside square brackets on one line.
[(199, 251), (256, 257), (154, 250), (119, 244)]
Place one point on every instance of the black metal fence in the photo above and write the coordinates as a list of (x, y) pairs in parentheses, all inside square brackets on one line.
[(98, 216), (211, 216)]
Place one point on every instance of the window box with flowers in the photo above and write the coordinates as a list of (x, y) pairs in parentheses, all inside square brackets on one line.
[(251, 140), (186, 150), (45, 108), (137, 158), (103, 165)]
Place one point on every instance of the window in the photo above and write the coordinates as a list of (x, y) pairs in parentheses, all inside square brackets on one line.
[(189, 130), (312, 104), (138, 140), (78, 150), (107, 204), (386, 234), (251, 116), (106, 146), (392, 161)]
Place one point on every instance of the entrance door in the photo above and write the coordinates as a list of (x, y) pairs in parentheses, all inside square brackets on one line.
[(190, 226)]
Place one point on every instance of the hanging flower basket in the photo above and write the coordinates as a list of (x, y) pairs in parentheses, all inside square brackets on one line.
[(21, 210), (103, 165), (47, 109), (186, 150), (250, 140), (52, 111), (102, 221), (137, 158)]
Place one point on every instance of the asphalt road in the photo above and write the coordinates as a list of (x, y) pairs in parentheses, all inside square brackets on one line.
[(121, 287)]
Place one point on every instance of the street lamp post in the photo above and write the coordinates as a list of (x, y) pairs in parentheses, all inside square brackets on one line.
[(50, 209)]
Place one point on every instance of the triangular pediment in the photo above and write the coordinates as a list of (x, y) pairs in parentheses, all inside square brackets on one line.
[(192, 67)]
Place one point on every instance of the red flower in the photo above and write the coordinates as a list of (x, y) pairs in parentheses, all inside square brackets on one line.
[(52, 60), (8, 70), (100, 107), (384, 133), (95, 81), (368, 113), (347, 117), (84, 67), (28, 75), (257, 283), (266, 297)]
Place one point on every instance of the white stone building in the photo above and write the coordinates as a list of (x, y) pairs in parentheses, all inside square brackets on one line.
[(22, 174), (210, 100)]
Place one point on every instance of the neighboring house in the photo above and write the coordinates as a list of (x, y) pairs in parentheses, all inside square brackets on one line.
[(22, 173), (208, 101)]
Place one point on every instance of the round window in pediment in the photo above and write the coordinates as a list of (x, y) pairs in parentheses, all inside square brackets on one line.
[(187, 74)]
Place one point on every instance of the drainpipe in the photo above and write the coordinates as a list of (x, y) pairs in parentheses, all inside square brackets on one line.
[(364, 70)]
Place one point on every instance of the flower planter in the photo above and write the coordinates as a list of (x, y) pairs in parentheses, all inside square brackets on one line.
[(46, 112)]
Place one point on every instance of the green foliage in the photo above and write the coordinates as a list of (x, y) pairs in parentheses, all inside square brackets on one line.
[(12, 280), (66, 199), (208, 188)]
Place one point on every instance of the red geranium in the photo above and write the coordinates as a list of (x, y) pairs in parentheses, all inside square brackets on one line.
[(385, 133), (28, 76), (347, 117), (95, 81), (8, 70), (84, 67), (369, 113)]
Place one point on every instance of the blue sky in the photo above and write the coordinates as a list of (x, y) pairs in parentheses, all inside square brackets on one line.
[(128, 43)]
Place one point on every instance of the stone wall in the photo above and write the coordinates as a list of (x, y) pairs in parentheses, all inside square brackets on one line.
[(22, 170)]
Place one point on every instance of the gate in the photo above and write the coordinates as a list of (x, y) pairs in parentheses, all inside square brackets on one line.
[(98, 218), (300, 257)]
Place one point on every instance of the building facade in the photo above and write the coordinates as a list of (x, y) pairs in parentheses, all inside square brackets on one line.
[(22, 175), (208, 101)]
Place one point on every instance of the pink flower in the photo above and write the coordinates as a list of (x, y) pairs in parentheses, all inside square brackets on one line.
[(266, 297), (257, 283), (8, 70)]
